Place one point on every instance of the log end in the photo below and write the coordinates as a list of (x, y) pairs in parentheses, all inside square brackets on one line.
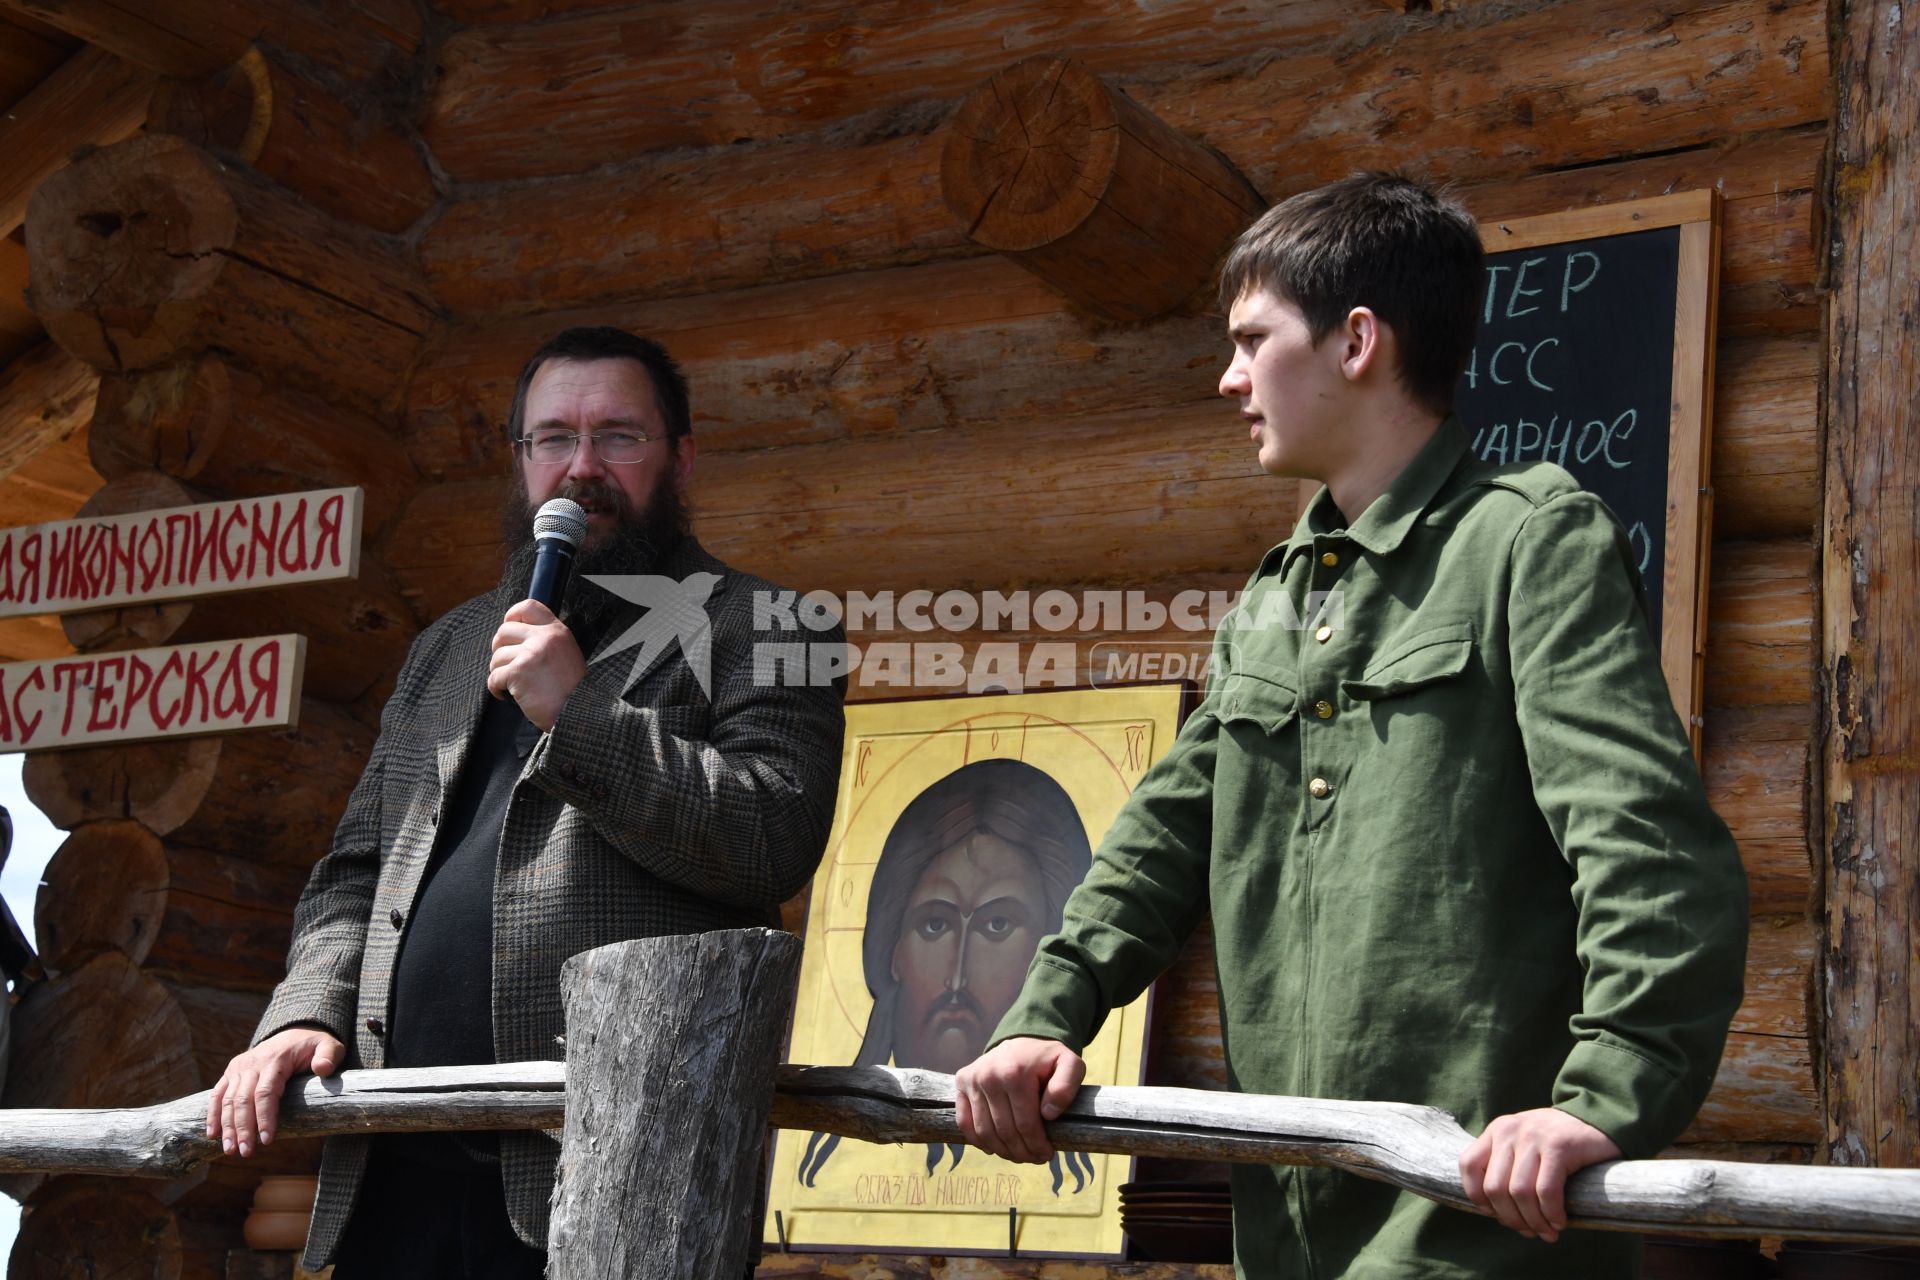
[(123, 246), (170, 419), (228, 110), (105, 890), (104, 1035), (159, 783), (140, 625), (1122, 213), (1030, 153), (96, 1227)]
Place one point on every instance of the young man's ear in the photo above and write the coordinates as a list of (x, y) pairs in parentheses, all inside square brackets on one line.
[(1363, 339)]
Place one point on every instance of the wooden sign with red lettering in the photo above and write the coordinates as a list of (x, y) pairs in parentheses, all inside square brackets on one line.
[(169, 692), (205, 550)]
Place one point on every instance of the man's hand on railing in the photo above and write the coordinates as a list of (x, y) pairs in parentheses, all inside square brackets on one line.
[(1518, 1168), (1004, 1099), (246, 1101)]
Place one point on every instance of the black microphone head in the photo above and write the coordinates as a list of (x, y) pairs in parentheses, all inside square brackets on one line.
[(561, 518)]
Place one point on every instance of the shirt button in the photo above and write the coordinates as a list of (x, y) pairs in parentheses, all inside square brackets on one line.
[(397, 918), (1324, 634), (1330, 559), (376, 1026), (1322, 708), (436, 815), (1320, 788)]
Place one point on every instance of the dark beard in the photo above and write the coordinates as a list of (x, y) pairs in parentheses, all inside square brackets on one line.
[(637, 545)]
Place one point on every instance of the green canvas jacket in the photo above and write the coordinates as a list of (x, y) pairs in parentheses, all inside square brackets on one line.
[(1456, 850)]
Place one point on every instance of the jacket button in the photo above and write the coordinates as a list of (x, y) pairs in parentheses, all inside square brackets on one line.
[(436, 815), (396, 917), (1324, 634), (1322, 708), (376, 1026), (1320, 788), (1330, 559)]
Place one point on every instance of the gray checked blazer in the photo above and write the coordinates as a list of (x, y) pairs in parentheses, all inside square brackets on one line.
[(654, 812)]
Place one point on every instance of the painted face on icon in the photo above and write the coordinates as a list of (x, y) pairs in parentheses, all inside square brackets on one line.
[(971, 927)]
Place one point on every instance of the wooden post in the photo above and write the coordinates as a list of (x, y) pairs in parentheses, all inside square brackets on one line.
[(672, 1046), (1089, 191), (1870, 577)]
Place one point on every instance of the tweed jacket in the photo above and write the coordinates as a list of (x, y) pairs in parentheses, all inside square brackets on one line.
[(656, 811)]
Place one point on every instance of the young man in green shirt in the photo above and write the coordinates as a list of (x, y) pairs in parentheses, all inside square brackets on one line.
[(1450, 832)]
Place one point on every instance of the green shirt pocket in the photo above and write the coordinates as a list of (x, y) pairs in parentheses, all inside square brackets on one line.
[(1431, 655), (1265, 701)]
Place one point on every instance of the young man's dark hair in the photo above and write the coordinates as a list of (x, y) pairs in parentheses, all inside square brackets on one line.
[(1381, 241), (604, 342)]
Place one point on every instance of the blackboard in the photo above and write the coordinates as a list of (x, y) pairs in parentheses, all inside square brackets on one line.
[(1571, 368), (1595, 353)]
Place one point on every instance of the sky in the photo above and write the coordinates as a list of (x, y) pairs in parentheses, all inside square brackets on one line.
[(34, 840)]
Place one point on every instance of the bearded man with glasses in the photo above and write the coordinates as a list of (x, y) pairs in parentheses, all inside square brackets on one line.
[(525, 803)]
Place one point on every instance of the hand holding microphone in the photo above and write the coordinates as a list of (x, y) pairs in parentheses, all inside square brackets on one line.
[(536, 660)]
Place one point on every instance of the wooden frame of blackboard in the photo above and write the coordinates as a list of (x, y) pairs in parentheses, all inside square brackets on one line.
[(1683, 639)]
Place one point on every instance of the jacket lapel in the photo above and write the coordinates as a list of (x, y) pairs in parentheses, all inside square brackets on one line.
[(459, 714)]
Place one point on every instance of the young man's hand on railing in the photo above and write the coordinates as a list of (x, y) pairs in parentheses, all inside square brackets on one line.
[(1003, 1098), (246, 1101), (1518, 1168)]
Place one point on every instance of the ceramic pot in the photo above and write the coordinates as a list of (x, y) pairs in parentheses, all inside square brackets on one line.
[(268, 1229), (281, 1192)]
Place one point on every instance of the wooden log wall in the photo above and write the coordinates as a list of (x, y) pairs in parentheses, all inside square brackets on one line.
[(236, 316), (882, 402)]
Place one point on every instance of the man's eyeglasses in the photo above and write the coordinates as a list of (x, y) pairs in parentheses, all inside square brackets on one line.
[(550, 448)]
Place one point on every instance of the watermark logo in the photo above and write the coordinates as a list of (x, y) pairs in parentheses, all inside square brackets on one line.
[(1123, 636), (919, 640), (676, 613), (1120, 662)]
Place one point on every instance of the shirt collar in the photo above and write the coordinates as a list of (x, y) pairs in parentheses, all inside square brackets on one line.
[(1383, 526)]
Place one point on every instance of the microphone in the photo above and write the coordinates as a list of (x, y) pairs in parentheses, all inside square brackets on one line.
[(558, 531)]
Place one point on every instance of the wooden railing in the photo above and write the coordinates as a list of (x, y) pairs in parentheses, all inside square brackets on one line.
[(675, 1079)]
